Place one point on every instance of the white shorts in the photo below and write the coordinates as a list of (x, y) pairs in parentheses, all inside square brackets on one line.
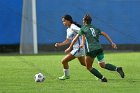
[(78, 52)]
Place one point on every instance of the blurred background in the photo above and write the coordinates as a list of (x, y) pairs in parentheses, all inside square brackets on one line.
[(119, 18)]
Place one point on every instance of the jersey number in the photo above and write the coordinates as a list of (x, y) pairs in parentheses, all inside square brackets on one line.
[(93, 32)]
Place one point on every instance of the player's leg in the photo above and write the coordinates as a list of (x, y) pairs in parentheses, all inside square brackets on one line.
[(81, 56), (89, 62), (82, 60), (112, 67), (108, 66), (100, 57), (65, 61)]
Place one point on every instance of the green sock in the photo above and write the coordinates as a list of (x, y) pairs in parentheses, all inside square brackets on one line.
[(96, 73), (110, 67)]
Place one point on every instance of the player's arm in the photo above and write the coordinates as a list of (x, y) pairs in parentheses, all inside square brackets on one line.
[(67, 41), (83, 41), (72, 43), (109, 39)]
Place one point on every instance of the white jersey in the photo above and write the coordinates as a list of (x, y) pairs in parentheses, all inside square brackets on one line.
[(72, 31)]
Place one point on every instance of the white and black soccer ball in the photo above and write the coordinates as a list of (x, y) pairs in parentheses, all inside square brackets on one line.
[(39, 77)]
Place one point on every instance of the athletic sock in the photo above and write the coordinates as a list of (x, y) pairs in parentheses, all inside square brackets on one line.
[(96, 73), (66, 72), (110, 67)]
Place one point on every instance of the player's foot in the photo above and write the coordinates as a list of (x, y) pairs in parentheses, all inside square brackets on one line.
[(104, 79), (64, 77), (120, 71)]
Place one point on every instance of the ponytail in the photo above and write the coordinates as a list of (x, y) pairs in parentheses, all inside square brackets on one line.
[(76, 24)]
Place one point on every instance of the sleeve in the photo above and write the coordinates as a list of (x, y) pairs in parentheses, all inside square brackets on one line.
[(68, 35), (81, 32)]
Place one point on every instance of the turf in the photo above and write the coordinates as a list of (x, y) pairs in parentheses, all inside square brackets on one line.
[(17, 75)]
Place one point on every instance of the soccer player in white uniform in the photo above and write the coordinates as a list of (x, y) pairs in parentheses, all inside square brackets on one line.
[(76, 52)]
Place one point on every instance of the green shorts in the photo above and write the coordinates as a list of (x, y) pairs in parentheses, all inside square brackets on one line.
[(96, 53)]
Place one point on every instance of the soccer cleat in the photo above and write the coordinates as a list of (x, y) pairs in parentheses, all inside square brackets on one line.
[(64, 77), (120, 71), (104, 79)]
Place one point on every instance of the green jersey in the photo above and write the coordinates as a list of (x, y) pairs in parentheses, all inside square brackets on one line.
[(91, 37)]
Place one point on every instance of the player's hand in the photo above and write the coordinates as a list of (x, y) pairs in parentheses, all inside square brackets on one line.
[(114, 45), (81, 46), (67, 50), (57, 45)]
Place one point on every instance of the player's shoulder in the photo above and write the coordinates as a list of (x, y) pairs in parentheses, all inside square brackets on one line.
[(84, 27), (96, 28), (74, 26)]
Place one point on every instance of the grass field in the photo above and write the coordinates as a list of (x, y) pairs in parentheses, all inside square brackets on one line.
[(17, 75)]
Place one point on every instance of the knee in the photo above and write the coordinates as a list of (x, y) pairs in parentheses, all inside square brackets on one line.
[(102, 64), (63, 61)]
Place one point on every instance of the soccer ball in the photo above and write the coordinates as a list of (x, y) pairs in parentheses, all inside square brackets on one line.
[(39, 77)]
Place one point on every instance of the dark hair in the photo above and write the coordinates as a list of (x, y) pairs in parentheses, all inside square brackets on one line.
[(77, 24), (69, 18), (87, 19)]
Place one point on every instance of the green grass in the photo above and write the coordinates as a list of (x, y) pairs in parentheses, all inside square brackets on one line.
[(17, 75)]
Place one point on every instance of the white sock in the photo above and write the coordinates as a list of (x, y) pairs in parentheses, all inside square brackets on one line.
[(116, 69), (66, 72)]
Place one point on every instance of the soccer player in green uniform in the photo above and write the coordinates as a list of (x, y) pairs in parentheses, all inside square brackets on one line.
[(90, 37)]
